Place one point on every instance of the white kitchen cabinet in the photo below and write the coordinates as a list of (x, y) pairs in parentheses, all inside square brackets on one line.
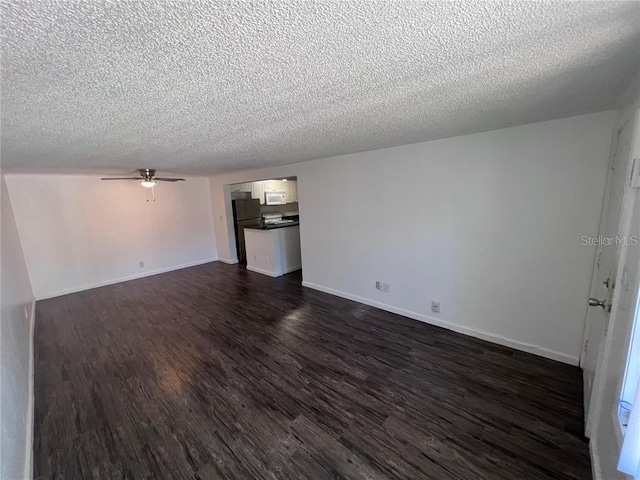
[(293, 191), (257, 191), (241, 187), (287, 191), (259, 188), (274, 186)]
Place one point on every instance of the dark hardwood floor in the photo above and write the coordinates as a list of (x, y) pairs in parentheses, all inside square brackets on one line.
[(216, 372)]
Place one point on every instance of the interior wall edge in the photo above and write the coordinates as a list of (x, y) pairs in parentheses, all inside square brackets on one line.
[(28, 467), (455, 327), (16, 389), (596, 469)]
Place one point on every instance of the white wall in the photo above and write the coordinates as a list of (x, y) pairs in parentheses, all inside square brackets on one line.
[(489, 224), (78, 232), (16, 352)]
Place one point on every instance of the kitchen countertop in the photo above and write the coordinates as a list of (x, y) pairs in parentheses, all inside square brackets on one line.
[(273, 226)]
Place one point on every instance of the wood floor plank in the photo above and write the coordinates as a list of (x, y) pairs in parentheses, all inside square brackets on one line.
[(215, 372)]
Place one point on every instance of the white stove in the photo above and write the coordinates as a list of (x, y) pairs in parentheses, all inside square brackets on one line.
[(271, 218), (275, 219)]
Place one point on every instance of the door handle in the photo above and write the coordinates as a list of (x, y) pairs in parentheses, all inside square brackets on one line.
[(594, 302)]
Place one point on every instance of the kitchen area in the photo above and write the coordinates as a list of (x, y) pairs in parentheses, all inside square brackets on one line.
[(266, 225)]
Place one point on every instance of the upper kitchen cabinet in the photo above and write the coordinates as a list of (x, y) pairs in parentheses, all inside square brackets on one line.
[(241, 187), (292, 194), (290, 189), (257, 191), (275, 185)]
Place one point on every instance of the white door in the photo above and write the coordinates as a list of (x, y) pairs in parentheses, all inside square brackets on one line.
[(606, 431), (607, 256)]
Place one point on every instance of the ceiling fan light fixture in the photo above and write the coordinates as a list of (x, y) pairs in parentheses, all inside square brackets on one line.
[(148, 183)]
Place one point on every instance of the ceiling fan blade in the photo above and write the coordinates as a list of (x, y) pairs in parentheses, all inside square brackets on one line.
[(166, 179), (122, 178)]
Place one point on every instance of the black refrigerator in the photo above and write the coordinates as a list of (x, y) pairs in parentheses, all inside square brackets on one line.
[(245, 213)]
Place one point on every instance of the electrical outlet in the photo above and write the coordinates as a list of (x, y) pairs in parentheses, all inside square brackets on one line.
[(435, 306), (383, 287), (141, 264)]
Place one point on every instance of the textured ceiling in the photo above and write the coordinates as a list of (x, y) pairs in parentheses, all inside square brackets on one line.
[(206, 87)]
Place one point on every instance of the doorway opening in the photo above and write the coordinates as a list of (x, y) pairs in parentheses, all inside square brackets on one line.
[(266, 220)]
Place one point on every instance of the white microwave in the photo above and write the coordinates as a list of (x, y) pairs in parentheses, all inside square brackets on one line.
[(274, 198)]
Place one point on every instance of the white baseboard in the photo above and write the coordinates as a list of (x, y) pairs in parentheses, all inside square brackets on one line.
[(260, 270), (227, 260), (124, 279), (28, 463), (274, 274), (490, 337)]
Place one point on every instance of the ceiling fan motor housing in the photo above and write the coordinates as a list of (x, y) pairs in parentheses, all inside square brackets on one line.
[(147, 173)]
